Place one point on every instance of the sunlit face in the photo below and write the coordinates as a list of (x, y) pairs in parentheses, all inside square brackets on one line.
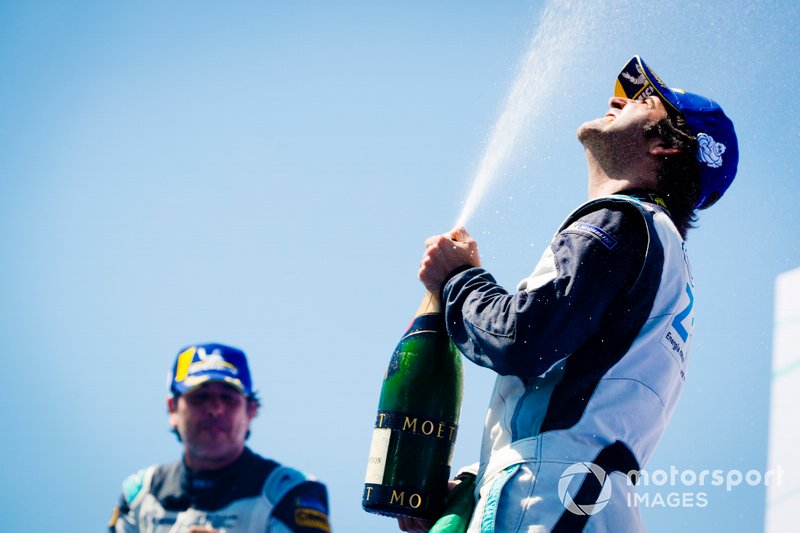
[(624, 119), (213, 421)]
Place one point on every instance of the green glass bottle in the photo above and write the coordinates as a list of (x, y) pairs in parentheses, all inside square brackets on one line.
[(417, 421)]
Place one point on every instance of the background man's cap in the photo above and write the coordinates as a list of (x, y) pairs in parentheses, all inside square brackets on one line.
[(204, 363), (718, 150)]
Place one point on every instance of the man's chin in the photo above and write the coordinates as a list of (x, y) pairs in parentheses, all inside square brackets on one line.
[(213, 441), (213, 451), (590, 128)]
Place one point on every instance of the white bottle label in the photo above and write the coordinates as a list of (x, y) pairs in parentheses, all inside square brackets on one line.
[(377, 455)]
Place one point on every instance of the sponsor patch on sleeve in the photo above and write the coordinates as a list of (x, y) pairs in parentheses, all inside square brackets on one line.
[(311, 518), (592, 231), (114, 517)]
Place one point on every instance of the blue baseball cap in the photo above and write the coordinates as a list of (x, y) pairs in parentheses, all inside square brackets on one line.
[(718, 149), (203, 363)]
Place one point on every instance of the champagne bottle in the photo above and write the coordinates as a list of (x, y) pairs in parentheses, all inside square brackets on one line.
[(417, 421)]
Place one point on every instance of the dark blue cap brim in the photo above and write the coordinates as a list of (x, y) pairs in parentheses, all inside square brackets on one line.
[(191, 383), (636, 81)]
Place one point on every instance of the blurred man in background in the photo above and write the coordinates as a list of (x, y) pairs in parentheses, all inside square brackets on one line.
[(219, 485)]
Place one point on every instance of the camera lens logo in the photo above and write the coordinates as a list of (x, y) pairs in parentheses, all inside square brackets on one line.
[(581, 470)]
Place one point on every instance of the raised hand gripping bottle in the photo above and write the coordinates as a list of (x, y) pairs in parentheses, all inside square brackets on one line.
[(415, 429)]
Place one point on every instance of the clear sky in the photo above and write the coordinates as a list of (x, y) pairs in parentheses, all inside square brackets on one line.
[(263, 174)]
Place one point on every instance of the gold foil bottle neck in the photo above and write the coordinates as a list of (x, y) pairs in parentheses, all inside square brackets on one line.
[(430, 304)]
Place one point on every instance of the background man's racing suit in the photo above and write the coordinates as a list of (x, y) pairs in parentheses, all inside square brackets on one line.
[(253, 494)]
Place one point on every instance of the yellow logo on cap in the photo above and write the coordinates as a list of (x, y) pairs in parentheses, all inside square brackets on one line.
[(184, 361)]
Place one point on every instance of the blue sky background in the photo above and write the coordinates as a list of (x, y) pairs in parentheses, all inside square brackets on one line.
[(263, 174)]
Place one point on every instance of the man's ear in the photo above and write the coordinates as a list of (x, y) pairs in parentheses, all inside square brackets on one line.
[(172, 409), (660, 150), (252, 409)]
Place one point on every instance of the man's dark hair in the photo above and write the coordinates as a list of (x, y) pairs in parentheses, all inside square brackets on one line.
[(678, 178)]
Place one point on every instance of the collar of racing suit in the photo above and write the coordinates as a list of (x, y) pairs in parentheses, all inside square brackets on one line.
[(646, 195), (208, 490)]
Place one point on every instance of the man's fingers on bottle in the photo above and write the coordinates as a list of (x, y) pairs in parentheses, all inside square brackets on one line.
[(413, 525), (438, 240), (458, 233), (405, 523)]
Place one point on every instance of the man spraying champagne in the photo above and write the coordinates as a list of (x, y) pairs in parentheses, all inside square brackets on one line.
[(591, 349)]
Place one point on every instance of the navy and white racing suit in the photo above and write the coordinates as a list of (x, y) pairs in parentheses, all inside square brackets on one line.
[(591, 353), (252, 495)]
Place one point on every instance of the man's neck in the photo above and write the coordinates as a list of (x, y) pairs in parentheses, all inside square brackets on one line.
[(205, 464), (605, 179)]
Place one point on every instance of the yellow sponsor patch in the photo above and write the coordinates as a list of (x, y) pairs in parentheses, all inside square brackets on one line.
[(184, 360), (312, 518), (114, 517)]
